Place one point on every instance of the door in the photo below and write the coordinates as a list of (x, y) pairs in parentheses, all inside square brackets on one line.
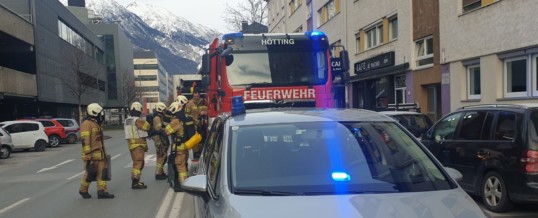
[(433, 107), (440, 138), (18, 135), (467, 151)]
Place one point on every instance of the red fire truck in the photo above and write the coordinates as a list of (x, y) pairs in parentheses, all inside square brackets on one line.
[(269, 70)]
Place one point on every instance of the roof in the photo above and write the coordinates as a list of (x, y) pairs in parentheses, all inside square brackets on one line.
[(287, 115)]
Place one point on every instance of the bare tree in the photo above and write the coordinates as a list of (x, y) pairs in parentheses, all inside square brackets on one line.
[(81, 77), (249, 10), (127, 90)]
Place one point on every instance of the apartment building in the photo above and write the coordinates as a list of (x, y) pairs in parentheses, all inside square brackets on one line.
[(490, 51), (151, 80), (393, 47)]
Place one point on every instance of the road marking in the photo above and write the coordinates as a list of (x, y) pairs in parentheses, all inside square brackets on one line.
[(166, 204), (14, 205), (176, 207), (75, 176), (79, 174), (149, 160), (55, 166)]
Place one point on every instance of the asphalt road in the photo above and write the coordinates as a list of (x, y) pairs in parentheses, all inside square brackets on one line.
[(45, 184)]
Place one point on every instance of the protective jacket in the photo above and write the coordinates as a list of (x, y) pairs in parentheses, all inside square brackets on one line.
[(136, 132), (183, 132), (91, 135)]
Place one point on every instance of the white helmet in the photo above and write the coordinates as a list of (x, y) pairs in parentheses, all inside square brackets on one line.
[(160, 107), (175, 107), (94, 109), (136, 106), (182, 100)]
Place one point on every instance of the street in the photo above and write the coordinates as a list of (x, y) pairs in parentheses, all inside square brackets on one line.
[(45, 184)]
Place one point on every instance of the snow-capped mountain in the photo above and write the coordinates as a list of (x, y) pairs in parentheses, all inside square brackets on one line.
[(177, 41)]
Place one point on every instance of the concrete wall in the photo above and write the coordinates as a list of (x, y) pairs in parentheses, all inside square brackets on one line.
[(17, 83), (16, 26)]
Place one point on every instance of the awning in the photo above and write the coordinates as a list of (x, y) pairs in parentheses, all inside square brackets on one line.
[(397, 69)]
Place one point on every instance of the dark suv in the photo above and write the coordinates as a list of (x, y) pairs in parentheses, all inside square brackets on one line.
[(495, 147)]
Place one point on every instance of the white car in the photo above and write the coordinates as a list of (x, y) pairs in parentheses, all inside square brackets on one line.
[(26, 134), (321, 163), (6, 146)]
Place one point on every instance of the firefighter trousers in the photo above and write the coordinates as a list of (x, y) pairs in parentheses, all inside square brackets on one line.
[(137, 154), (97, 166)]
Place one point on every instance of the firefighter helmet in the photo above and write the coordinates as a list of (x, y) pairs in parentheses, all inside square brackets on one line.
[(175, 107), (136, 106), (160, 107), (182, 99), (94, 109)]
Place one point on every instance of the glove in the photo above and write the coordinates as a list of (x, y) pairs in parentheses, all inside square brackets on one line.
[(86, 157)]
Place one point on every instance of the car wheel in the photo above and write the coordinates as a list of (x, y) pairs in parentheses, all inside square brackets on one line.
[(72, 139), (40, 145), (495, 193), (54, 141), (5, 152)]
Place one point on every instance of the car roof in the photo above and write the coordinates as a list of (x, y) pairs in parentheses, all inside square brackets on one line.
[(287, 115), (20, 121), (399, 112), (500, 106)]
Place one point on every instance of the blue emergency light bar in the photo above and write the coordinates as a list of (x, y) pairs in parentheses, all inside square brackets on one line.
[(238, 105), (340, 176), (315, 33)]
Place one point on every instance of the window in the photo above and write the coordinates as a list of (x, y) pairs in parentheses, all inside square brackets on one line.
[(515, 77), (329, 10), (473, 82), (424, 48), (357, 43), (294, 4), (374, 36), (399, 89), (472, 126), (506, 126), (447, 127), (470, 5), (393, 27), (335, 49)]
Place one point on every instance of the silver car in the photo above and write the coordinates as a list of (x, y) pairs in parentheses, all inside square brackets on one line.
[(321, 163), (6, 144)]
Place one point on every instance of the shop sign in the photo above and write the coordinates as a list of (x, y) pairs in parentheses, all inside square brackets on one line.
[(377, 62)]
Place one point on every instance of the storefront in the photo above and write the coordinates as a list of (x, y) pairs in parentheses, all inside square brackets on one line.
[(378, 82)]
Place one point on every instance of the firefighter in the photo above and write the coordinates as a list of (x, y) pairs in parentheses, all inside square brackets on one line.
[(194, 108), (136, 132), (184, 137), (93, 152), (161, 140)]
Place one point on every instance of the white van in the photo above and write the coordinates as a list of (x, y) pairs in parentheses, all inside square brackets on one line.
[(26, 134)]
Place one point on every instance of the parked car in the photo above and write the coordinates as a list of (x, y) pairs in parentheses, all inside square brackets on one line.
[(321, 163), (72, 129), (6, 144), (54, 130), (416, 123), (26, 134), (495, 147)]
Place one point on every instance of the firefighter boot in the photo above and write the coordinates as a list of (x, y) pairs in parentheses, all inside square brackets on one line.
[(162, 176), (101, 194), (85, 195), (138, 185), (177, 188)]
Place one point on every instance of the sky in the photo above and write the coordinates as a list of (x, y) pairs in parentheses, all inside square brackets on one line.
[(206, 12)]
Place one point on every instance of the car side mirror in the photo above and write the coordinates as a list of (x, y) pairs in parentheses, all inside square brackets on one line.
[(454, 174), (197, 186)]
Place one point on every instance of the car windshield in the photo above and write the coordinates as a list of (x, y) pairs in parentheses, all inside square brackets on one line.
[(317, 158)]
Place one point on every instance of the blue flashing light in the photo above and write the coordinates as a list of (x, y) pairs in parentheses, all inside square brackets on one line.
[(340, 176), (238, 106), (315, 34), (232, 35)]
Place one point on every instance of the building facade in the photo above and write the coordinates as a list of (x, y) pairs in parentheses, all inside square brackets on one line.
[(489, 61), (65, 55), (151, 80), (393, 47)]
